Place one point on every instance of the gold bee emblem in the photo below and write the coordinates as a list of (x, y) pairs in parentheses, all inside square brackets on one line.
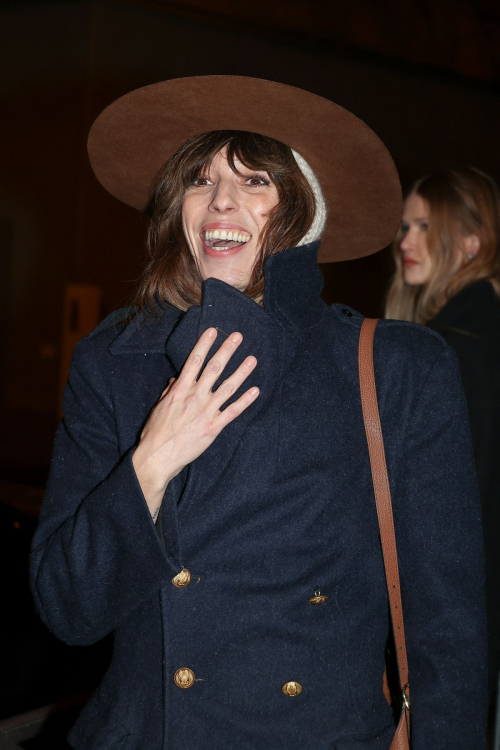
[(291, 688)]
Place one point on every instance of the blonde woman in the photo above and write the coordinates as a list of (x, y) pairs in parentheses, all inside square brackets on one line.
[(448, 277)]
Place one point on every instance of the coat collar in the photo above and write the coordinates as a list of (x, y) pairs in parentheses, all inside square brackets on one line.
[(293, 283)]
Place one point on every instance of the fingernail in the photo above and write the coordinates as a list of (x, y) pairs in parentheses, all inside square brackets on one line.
[(250, 361), (236, 338), (254, 392), (212, 333)]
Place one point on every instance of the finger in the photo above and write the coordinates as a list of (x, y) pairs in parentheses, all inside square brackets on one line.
[(231, 385), (234, 410), (168, 388), (220, 359), (194, 362)]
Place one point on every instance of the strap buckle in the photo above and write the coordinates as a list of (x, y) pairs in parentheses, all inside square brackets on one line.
[(406, 700)]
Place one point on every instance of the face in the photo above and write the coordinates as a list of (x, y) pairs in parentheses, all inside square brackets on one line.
[(223, 217), (416, 259)]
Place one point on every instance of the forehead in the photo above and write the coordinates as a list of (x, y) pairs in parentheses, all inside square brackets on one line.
[(220, 162), (415, 207)]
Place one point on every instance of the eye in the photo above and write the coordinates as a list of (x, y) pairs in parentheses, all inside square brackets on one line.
[(424, 226), (257, 180), (404, 228), (201, 181)]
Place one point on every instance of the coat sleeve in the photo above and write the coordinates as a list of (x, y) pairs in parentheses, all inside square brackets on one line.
[(439, 537), (96, 554)]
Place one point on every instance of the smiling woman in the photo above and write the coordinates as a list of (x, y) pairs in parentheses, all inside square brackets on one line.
[(211, 496), (212, 204), (217, 182)]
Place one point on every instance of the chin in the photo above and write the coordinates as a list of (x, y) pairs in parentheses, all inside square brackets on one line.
[(237, 282), (413, 280)]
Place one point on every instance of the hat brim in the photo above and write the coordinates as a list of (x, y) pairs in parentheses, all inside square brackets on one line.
[(133, 137)]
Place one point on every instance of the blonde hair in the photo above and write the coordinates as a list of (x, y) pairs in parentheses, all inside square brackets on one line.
[(461, 202)]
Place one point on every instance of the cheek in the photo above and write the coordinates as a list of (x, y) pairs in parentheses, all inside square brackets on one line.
[(192, 208), (262, 208), (186, 213)]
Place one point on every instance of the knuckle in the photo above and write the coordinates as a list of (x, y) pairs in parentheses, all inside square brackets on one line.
[(227, 387), (214, 366), (194, 360), (210, 428)]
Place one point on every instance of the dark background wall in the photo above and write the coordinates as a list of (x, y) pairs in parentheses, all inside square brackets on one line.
[(61, 63)]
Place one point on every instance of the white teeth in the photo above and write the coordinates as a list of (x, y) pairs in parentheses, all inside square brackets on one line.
[(230, 235)]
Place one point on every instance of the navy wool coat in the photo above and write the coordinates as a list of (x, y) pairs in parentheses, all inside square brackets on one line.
[(280, 506), (470, 323)]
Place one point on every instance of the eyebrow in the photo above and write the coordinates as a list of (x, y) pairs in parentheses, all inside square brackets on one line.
[(418, 219)]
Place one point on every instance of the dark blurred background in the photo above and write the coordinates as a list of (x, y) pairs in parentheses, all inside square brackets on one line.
[(424, 74)]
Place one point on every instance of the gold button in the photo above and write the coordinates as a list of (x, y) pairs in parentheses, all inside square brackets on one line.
[(184, 677), (182, 579), (291, 688), (318, 599)]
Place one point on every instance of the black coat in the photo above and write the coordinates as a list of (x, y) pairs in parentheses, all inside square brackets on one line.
[(470, 322), (279, 506)]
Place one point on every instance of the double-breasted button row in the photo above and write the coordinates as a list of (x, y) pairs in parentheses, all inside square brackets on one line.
[(184, 578), (184, 678)]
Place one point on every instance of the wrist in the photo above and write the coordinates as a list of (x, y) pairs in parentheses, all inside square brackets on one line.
[(153, 482)]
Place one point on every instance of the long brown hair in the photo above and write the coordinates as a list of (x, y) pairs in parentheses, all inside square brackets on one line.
[(461, 202), (171, 274)]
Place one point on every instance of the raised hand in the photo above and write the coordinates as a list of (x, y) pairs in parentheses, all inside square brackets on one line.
[(187, 418)]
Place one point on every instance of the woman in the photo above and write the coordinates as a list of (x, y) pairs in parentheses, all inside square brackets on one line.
[(255, 616), (448, 277)]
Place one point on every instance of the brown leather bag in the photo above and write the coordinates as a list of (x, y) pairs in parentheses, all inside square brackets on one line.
[(383, 502)]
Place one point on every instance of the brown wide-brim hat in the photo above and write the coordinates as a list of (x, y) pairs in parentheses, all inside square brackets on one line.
[(133, 138)]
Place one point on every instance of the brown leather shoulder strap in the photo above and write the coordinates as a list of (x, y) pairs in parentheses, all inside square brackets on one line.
[(382, 493)]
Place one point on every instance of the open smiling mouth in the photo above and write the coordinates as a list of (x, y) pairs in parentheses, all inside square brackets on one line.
[(223, 239)]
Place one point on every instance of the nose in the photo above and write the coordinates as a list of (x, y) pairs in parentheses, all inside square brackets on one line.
[(224, 198), (408, 241)]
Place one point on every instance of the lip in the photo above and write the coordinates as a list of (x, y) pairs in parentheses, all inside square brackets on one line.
[(222, 253), (408, 262)]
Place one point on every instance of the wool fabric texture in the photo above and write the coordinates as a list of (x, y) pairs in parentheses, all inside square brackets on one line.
[(280, 505), (316, 228), (470, 323)]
